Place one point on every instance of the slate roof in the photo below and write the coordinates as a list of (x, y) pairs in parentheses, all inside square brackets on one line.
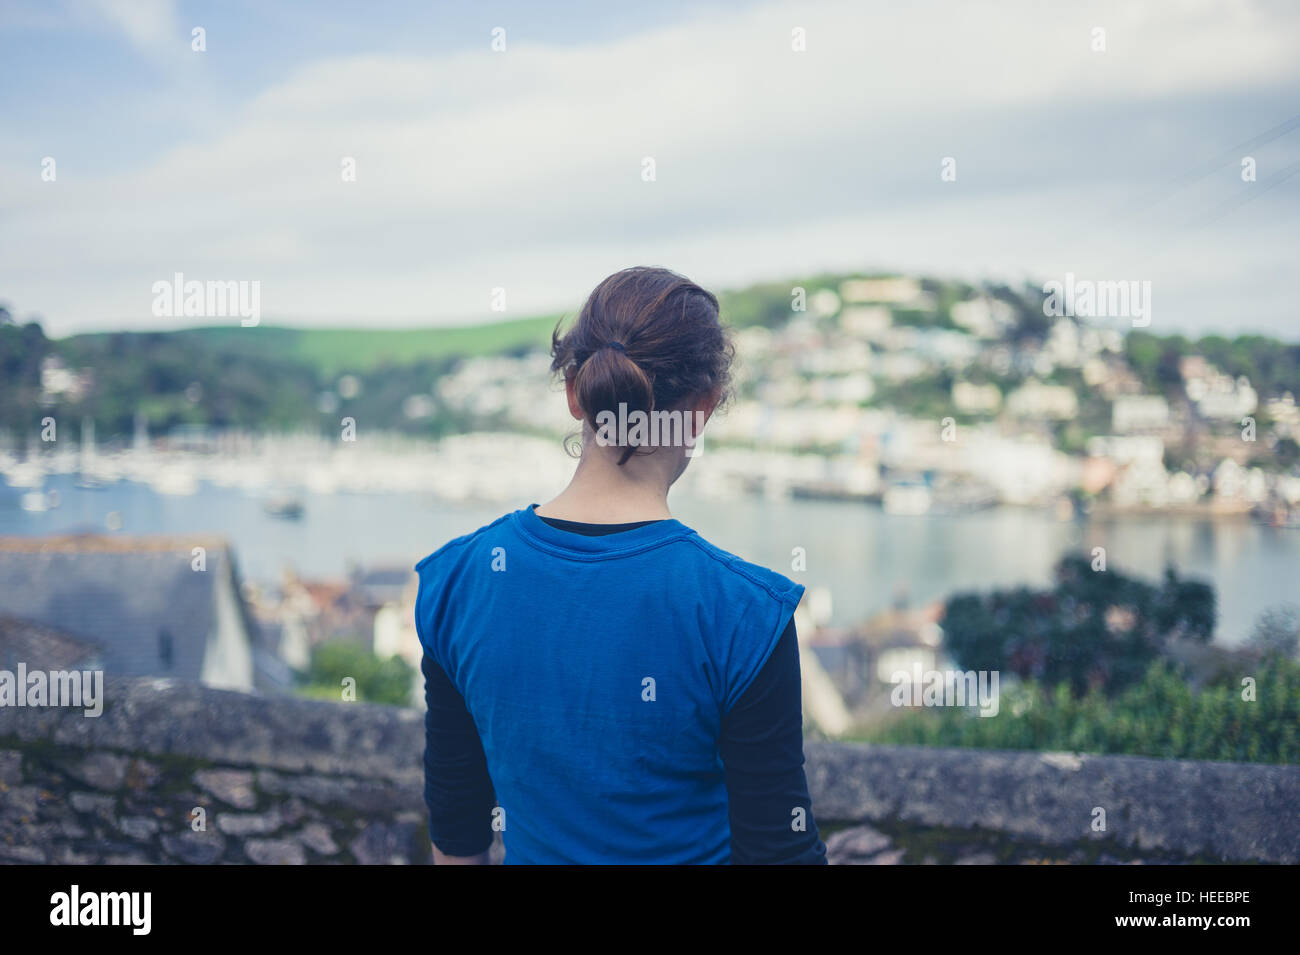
[(380, 585), (43, 648), (132, 597)]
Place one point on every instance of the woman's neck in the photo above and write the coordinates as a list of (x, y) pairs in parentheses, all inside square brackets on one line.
[(603, 492)]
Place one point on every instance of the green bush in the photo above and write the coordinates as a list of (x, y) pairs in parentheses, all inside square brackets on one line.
[(1160, 716), (378, 681)]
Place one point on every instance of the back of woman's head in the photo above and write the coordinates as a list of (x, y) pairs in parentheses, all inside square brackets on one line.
[(647, 339)]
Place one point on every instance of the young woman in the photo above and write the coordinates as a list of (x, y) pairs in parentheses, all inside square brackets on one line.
[(604, 685)]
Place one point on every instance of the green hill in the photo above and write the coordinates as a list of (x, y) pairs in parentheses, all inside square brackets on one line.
[(331, 351)]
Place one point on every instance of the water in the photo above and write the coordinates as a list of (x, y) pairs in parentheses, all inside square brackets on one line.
[(863, 555)]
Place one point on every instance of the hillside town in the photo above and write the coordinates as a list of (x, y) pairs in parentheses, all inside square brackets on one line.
[(918, 395), (899, 393), (844, 400)]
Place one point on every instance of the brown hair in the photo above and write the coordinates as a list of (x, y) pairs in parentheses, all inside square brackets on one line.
[(648, 338)]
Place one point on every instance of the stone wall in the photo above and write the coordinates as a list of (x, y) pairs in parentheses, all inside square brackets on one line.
[(277, 780), (927, 804)]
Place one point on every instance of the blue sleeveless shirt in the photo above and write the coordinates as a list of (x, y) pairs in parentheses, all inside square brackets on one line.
[(597, 671)]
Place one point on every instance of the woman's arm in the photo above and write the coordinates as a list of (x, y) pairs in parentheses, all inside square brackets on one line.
[(762, 755), (457, 789)]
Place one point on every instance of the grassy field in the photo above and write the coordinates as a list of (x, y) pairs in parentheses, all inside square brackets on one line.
[(357, 349), (334, 350)]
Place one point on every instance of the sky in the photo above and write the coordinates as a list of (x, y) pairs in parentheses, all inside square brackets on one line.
[(523, 169)]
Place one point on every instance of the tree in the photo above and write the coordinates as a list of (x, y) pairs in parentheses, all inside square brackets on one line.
[(377, 680), (22, 349), (1094, 630)]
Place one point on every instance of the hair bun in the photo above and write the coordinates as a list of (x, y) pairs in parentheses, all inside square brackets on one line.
[(682, 351)]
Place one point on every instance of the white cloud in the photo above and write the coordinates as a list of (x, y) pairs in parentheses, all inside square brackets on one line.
[(150, 25), (522, 169)]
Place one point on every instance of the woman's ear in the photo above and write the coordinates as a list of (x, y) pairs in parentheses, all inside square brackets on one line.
[(571, 392), (699, 413), (708, 404)]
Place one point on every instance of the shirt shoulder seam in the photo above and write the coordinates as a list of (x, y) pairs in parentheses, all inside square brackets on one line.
[(461, 541), (733, 562)]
